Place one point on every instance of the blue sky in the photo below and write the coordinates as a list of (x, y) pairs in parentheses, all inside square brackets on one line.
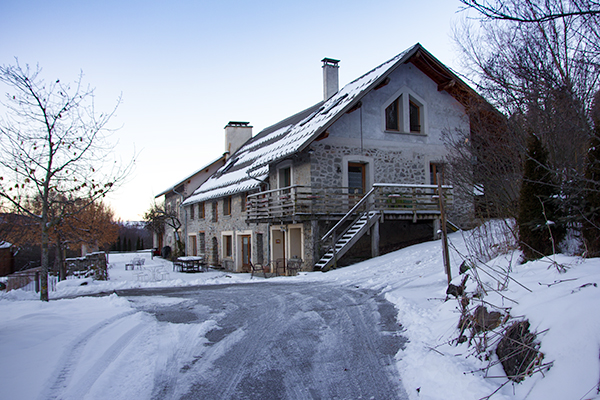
[(186, 68)]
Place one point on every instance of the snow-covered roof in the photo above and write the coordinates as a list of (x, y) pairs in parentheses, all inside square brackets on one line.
[(250, 164)]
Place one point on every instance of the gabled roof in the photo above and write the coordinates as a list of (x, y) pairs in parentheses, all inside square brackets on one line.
[(207, 166), (249, 166)]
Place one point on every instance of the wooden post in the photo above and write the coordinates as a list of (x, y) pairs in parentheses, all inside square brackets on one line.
[(445, 251), (375, 239)]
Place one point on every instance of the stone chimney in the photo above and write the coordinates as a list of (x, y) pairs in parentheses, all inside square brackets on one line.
[(236, 134), (330, 77)]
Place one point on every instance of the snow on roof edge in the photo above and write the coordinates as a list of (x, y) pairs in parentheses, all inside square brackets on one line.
[(226, 190)]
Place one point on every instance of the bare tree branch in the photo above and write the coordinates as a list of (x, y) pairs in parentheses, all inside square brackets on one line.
[(533, 12), (55, 156)]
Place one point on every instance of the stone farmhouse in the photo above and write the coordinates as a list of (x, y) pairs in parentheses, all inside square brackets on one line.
[(355, 175), (174, 196)]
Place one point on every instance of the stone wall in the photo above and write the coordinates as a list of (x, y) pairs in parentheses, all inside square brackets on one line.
[(390, 166), (92, 265), (235, 223)]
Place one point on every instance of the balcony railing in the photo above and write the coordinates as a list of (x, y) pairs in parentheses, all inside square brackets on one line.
[(305, 202)]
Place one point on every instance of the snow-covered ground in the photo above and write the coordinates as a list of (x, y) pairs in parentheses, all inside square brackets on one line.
[(37, 338)]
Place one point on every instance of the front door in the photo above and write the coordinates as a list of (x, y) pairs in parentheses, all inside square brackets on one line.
[(246, 252), (356, 178)]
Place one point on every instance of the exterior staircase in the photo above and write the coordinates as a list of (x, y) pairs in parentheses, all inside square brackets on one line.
[(345, 242)]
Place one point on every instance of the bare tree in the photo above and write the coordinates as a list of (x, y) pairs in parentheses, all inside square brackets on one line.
[(532, 11), (158, 217), (54, 152), (541, 70)]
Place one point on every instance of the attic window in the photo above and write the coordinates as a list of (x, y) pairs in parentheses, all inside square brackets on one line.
[(392, 118), (406, 113), (414, 116)]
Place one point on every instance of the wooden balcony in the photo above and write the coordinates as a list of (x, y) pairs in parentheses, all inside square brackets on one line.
[(297, 203)]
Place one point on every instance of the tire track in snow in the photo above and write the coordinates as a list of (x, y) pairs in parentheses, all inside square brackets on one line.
[(285, 341), (82, 387), (253, 345), (180, 348), (59, 381)]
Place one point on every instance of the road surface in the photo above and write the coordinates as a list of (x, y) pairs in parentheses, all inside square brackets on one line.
[(273, 340)]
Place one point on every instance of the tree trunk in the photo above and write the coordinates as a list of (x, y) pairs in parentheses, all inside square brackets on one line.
[(44, 272), (60, 261)]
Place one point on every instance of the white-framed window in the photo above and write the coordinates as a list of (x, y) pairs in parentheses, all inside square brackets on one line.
[(405, 112), (227, 244)]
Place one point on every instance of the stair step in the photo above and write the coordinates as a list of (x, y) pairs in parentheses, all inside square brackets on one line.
[(343, 242)]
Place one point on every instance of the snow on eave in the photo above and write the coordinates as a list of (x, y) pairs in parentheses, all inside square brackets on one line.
[(227, 187), (5, 245)]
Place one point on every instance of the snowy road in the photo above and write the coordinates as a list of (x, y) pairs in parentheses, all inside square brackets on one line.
[(274, 341)]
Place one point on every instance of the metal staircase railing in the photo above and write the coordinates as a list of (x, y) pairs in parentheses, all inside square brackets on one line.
[(340, 244)]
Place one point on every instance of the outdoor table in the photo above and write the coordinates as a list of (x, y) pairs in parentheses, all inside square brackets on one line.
[(191, 264)]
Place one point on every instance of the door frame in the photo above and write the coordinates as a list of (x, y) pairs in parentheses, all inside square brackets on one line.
[(237, 252), (369, 169)]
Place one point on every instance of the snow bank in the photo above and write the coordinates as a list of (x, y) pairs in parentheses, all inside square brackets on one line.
[(35, 336)]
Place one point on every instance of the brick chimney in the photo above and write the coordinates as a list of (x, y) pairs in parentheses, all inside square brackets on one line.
[(330, 77), (236, 134)]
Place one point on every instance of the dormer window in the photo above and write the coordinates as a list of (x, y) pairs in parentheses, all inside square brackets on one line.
[(405, 113)]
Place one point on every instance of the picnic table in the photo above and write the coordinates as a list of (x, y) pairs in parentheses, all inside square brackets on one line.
[(190, 264), (137, 261)]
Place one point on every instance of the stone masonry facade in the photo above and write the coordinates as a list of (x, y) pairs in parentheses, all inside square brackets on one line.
[(208, 231)]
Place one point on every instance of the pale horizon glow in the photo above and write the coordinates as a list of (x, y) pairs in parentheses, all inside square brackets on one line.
[(185, 69)]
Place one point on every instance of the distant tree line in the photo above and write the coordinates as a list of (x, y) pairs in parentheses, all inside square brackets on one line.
[(132, 236)]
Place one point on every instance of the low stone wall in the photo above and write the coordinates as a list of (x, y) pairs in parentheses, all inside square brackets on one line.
[(92, 265)]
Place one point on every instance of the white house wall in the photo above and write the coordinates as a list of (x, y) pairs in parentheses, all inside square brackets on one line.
[(443, 114)]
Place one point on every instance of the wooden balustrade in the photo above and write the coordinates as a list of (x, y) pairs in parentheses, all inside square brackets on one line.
[(306, 202)]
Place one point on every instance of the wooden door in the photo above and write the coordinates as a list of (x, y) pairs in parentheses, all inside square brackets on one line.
[(356, 178), (246, 251)]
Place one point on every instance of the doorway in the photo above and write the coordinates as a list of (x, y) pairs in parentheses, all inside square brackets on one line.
[(246, 251), (356, 178)]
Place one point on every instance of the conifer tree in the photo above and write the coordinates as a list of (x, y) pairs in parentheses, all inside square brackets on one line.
[(591, 217), (539, 232)]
